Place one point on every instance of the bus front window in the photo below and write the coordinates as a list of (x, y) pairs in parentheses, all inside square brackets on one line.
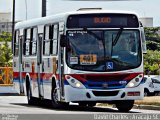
[(95, 51)]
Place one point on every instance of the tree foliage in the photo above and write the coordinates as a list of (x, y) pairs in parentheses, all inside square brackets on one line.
[(152, 58), (152, 62), (5, 36), (152, 38), (5, 50)]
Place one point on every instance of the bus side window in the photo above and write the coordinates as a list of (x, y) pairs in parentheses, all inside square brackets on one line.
[(46, 42), (53, 48), (16, 43), (27, 46), (34, 41)]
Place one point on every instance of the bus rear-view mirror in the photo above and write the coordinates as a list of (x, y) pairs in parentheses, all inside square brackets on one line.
[(63, 41)]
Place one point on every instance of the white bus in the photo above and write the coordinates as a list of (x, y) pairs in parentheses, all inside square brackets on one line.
[(83, 57)]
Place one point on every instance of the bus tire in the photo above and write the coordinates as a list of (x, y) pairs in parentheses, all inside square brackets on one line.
[(29, 94), (55, 103), (92, 104), (54, 96), (125, 105), (82, 104)]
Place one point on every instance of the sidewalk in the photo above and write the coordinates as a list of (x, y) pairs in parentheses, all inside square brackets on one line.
[(7, 91)]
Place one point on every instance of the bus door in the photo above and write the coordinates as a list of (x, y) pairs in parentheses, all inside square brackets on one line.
[(17, 63), (49, 58), (39, 65), (61, 62)]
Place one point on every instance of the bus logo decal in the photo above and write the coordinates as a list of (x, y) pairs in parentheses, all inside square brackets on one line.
[(105, 85)]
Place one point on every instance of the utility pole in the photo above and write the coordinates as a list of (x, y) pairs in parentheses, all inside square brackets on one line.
[(13, 21), (43, 8)]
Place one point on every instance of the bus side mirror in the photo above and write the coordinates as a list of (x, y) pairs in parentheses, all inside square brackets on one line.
[(63, 41)]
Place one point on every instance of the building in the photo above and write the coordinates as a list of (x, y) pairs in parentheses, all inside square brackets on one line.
[(5, 17), (147, 21), (5, 22)]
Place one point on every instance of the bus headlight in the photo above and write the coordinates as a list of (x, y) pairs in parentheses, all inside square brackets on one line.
[(74, 83), (135, 82), (131, 84)]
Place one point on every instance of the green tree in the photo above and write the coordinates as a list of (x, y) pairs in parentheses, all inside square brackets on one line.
[(5, 50), (5, 36), (152, 58), (152, 38), (152, 62)]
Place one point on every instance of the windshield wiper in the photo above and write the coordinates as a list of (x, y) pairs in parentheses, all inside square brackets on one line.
[(93, 34), (114, 42)]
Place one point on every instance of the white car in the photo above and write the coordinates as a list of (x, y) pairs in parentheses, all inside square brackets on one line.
[(148, 86), (156, 83)]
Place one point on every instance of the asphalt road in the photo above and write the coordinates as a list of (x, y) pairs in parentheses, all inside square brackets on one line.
[(16, 108)]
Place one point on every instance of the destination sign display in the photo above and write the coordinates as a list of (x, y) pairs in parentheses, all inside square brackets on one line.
[(102, 21)]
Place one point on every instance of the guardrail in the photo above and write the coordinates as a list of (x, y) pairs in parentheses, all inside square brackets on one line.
[(6, 76)]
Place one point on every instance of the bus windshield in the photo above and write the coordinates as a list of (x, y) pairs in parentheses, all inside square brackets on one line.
[(97, 50)]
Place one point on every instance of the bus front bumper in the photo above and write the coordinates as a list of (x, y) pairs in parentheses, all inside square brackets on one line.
[(75, 94)]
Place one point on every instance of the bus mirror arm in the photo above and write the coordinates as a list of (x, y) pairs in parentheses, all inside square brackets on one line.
[(63, 41)]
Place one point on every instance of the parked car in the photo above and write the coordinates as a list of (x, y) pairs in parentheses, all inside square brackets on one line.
[(148, 86), (156, 83)]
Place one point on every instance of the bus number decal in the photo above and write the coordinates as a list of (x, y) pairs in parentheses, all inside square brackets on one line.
[(88, 59)]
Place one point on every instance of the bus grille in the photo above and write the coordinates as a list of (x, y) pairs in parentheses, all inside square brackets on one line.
[(109, 86), (105, 93)]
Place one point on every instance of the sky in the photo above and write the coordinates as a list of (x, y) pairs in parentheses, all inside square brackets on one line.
[(144, 8)]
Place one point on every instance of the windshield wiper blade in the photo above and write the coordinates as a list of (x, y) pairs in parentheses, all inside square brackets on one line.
[(117, 36), (92, 33)]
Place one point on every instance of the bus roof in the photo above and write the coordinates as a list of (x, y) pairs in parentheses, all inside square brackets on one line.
[(62, 17)]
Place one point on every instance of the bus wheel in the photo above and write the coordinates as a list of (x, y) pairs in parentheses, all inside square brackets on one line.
[(125, 106), (29, 96), (83, 104), (54, 96), (55, 102), (92, 104)]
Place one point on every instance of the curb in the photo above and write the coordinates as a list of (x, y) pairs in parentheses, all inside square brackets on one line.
[(9, 94), (147, 107)]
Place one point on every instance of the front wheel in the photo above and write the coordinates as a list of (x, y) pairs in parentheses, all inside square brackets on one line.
[(92, 104), (125, 105), (55, 103), (82, 104), (89, 104)]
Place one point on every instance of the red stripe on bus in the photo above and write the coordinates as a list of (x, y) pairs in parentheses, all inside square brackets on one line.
[(108, 77)]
